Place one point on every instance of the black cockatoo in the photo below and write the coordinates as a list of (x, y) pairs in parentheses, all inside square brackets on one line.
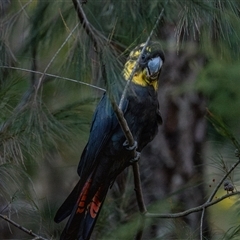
[(106, 154)]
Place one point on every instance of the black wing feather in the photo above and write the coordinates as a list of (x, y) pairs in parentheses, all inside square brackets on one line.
[(103, 124)]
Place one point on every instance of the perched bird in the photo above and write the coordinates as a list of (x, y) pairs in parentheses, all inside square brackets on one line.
[(106, 153)]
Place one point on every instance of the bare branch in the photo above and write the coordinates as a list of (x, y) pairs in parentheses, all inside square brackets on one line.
[(55, 76), (191, 210), (214, 193), (222, 180), (53, 58), (29, 232), (138, 60), (33, 90), (139, 196), (17, 13), (138, 189), (90, 30), (201, 223)]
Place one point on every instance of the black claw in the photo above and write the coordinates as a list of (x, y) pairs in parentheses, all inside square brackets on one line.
[(130, 148)]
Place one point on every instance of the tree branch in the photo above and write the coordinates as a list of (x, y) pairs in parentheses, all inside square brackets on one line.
[(84, 21), (138, 189), (214, 193), (55, 76), (98, 39), (29, 232), (191, 210), (222, 180), (138, 60), (6, 21), (51, 61)]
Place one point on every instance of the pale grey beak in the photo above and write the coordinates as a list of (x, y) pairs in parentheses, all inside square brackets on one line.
[(154, 65)]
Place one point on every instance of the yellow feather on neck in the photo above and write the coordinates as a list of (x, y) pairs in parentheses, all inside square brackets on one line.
[(140, 77)]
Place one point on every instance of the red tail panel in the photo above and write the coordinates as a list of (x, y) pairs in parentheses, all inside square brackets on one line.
[(95, 204), (85, 213), (83, 197)]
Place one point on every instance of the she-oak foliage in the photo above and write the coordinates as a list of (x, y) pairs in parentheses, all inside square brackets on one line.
[(43, 128)]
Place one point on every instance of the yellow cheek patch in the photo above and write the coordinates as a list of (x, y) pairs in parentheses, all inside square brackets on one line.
[(129, 65), (139, 77)]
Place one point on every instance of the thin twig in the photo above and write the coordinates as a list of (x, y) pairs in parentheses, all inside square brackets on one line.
[(222, 180), (138, 189), (99, 40), (55, 76), (90, 30), (83, 20), (53, 58), (191, 210), (139, 196), (214, 193), (18, 12), (32, 90), (201, 223), (29, 232), (138, 60)]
